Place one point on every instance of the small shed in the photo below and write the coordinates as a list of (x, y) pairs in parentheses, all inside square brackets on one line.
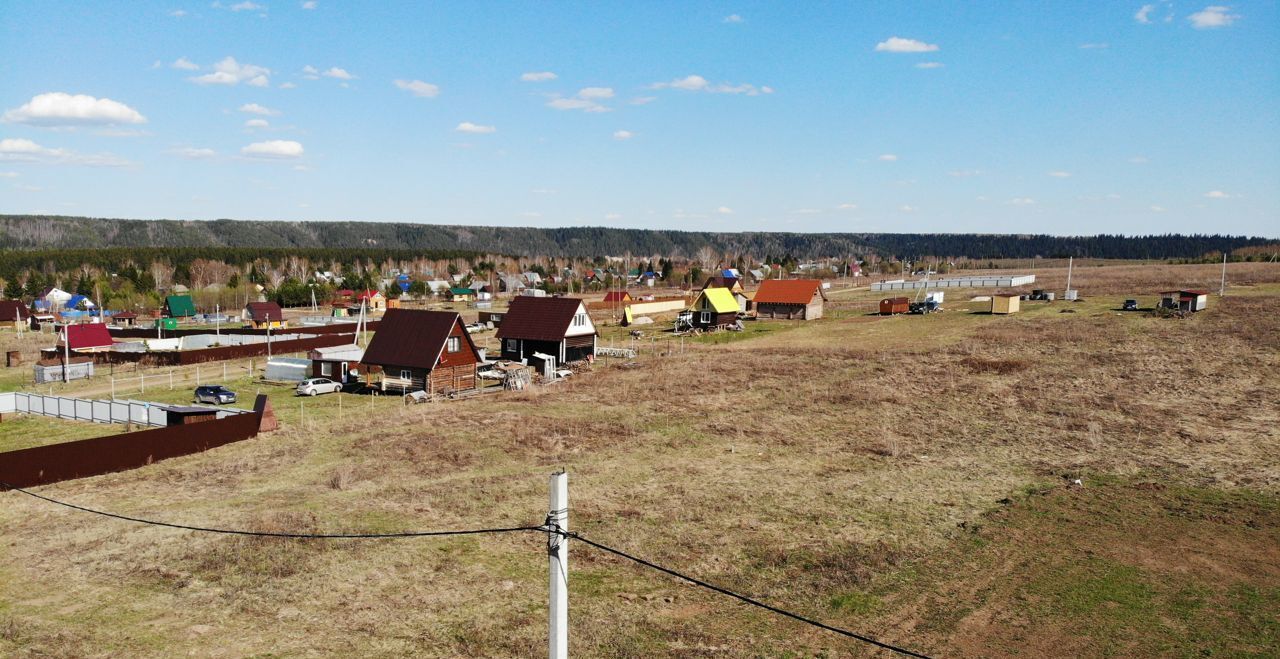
[(1185, 300), (125, 319), (617, 297), (460, 294), (494, 317), (185, 415), (894, 305), (50, 369), (374, 300), (790, 298), (338, 363), (1005, 303)]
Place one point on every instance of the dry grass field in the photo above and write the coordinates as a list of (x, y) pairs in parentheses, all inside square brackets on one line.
[(909, 478)]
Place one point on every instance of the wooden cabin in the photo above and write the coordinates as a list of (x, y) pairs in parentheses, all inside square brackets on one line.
[(536, 330), (1005, 303), (734, 284), (265, 315), (13, 313), (894, 305), (790, 298), (714, 308), (373, 300), (338, 363), (418, 350), (178, 306)]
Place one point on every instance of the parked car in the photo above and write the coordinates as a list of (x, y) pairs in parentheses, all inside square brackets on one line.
[(317, 386), (215, 394)]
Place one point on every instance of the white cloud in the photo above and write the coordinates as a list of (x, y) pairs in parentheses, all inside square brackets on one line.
[(1021, 201), (930, 65), (888, 157), (240, 6), (23, 150), (1094, 46), (1144, 14), (847, 207), (1218, 194), (256, 123), (697, 83), (538, 76), (254, 108), (643, 100), (623, 134), (724, 210), (613, 216), (733, 18), (184, 64), (1139, 160), (965, 173), (340, 74), (309, 4), (1212, 17), (193, 153), (907, 208), (475, 129), (288, 85), (595, 92), (178, 13), (231, 72), (418, 88), (60, 109), (273, 149), (1157, 209), (8, 175), (310, 72), (1060, 174), (807, 211), (900, 45)]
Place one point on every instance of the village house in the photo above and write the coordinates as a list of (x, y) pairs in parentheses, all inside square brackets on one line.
[(714, 308), (789, 298), (1184, 300), (338, 363), (124, 319), (178, 306), (539, 329), (417, 350), (734, 284), (373, 300), (13, 313), (51, 298), (90, 337), (264, 315), (617, 297), (460, 294)]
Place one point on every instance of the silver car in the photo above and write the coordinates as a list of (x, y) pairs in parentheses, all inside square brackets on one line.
[(317, 386), (215, 394)]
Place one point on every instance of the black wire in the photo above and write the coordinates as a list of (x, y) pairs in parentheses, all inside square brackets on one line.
[(744, 598), (273, 534)]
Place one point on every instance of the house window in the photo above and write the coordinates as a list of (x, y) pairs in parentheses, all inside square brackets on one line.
[(454, 344), (580, 320), (326, 369), (406, 375), (706, 318), (513, 345)]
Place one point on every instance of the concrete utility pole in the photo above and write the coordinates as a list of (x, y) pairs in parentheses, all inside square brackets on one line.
[(558, 557), (1222, 288), (1070, 262)]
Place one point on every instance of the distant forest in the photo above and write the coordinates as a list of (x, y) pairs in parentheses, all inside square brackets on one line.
[(245, 239)]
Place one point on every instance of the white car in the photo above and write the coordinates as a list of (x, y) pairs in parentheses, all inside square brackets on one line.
[(317, 386)]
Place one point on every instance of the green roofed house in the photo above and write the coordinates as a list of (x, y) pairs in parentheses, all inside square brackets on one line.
[(178, 306), (457, 294), (714, 307)]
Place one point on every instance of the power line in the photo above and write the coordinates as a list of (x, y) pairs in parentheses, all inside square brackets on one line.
[(548, 527), (744, 598), (274, 534)]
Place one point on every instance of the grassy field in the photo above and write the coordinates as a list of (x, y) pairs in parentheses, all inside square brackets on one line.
[(910, 478)]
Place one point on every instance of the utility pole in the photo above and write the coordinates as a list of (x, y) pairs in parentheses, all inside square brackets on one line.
[(1222, 288), (1070, 262), (558, 558)]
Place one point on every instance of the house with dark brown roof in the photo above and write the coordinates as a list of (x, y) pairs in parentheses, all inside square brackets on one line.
[(537, 329), (789, 298), (417, 350), (734, 284), (264, 315), (13, 313)]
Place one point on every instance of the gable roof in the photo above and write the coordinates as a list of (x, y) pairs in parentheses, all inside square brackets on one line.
[(412, 337), (538, 318), (720, 281), (180, 305), (721, 300), (13, 310), (617, 296), (788, 291), (262, 312), (94, 335), (369, 294), (457, 290)]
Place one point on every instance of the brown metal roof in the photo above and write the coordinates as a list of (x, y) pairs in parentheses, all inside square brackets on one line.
[(538, 318), (262, 312), (13, 310), (787, 291), (411, 337)]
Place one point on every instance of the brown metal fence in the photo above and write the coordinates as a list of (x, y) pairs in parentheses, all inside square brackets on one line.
[(189, 357), (42, 465), (140, 333)]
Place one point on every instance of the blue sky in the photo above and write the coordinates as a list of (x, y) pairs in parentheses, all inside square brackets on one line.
[(1064, 118)]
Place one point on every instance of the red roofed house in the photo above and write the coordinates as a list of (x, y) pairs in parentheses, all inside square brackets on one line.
[(13, 313), (373, 300), (621, 297), (789, 298), (93, 337), (265, 315), (537, 329), (417, 350)]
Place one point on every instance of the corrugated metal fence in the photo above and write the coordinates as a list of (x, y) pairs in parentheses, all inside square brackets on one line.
[(137, 412)]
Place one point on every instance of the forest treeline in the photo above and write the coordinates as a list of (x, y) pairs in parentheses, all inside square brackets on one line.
[(247, 240)]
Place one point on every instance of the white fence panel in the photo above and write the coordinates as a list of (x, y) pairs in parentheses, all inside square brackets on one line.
[(8, 403), (66, 408), (157, 416)]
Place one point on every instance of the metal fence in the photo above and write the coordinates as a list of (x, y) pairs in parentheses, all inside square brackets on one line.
[(137, 412)]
